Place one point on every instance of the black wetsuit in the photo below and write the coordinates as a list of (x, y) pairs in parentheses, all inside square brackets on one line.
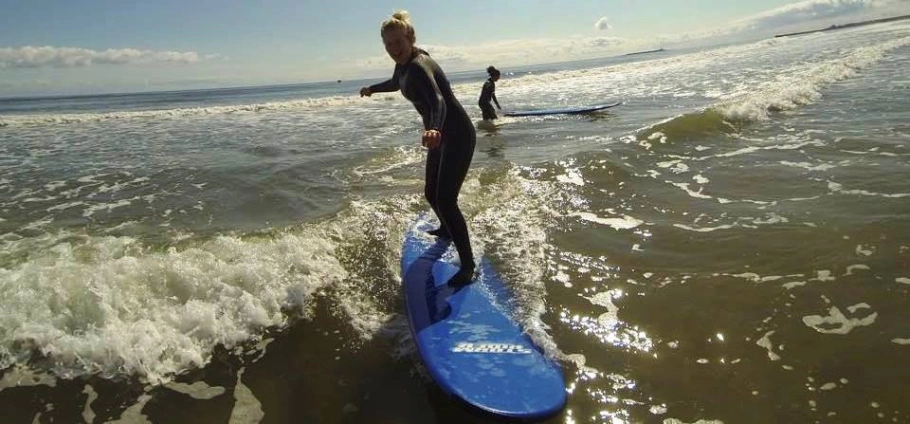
[(423, 83), (486, 94)]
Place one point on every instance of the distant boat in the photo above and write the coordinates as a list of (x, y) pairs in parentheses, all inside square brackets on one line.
[(646, 52)]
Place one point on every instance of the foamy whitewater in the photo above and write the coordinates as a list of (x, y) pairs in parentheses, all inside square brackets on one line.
[(729, 245)]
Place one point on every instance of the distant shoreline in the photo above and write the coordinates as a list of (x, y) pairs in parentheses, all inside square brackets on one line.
[(645, 52), (850, 25)]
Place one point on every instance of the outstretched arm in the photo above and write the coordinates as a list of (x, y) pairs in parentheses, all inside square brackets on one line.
[(384, 87)]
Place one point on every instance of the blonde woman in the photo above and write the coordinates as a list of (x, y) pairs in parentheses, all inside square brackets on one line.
[(448, 134)]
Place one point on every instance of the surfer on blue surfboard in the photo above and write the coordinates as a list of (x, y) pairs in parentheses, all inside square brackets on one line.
[(448, 135)]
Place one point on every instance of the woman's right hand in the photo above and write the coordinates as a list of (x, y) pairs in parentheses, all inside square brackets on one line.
[(365, 91), (431, 139)]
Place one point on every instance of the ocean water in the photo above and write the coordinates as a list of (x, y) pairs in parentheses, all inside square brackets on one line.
[(732, 244)]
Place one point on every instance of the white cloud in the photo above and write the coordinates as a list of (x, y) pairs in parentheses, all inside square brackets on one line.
[(516, 52), (603, 24), (72, 57), (803, 15), (807, 11)]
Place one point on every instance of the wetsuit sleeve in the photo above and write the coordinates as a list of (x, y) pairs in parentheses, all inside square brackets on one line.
[(387, 86), (494, 99), (423, 77)]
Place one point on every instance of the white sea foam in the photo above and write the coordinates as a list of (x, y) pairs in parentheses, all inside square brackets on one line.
[(794, 145), (197, 390), (741, 222), (677, 166), (704, 229), (24, 377), (839, 188), (623, 223), (512, 216), (701, 421), (278, 106), (696, 194), (91, 395), (404, 157), (133, 414), (794, 284), (608, 319), (824, 275), (802, 84), (247, 408), (838, 323), (572, 176), (809, 166), (852, 268), (106, 305)]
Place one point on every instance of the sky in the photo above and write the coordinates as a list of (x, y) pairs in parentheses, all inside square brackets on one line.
[(55, 47)]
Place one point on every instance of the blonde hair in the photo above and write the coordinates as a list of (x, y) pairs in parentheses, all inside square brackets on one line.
[(400, 20)]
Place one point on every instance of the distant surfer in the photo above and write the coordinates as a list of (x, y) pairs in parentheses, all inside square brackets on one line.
[(489, 93), (448, 134)]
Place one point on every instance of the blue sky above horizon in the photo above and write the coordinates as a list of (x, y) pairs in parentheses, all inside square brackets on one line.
[(64, 47)]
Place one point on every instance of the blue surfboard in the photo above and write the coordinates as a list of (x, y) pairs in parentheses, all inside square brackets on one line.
[(562, 111), (466, 338)]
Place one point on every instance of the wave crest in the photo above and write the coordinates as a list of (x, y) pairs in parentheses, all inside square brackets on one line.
[(796, 87)]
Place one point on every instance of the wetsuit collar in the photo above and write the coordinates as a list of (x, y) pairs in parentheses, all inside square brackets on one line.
[(417, 52)]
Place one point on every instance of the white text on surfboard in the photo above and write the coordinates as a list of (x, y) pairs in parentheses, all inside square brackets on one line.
[(467, 347)]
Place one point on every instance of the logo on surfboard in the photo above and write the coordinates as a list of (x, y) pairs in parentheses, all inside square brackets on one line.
[(468, 347)]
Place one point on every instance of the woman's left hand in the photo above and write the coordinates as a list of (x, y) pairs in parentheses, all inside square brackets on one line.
[(431, 139)]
